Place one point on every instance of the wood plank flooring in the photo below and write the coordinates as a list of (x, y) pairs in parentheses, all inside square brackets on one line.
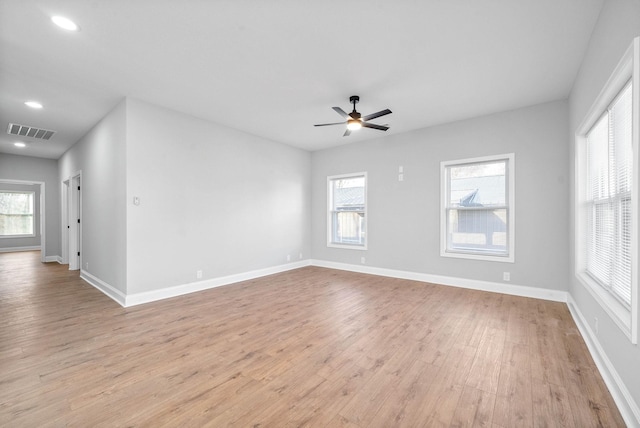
[(309, 347)]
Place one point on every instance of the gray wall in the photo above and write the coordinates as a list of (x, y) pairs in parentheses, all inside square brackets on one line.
[(404, 217), (211, 199), (100, 155), (618, 24), (32, 241), (25, 168)]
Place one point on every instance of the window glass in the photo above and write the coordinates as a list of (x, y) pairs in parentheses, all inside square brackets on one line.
[(16, 214), (347, 207)]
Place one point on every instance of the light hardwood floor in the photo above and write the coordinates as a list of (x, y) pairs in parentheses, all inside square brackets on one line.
[(310, 347)]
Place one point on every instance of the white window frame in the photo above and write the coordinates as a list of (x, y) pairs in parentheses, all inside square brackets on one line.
[(330, 242), (510, 207), (33, 215), (627, 69)]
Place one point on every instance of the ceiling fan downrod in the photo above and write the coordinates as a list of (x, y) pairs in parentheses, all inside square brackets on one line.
[(354, 99)]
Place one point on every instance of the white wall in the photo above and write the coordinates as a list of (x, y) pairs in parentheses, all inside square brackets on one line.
[(100, 155), (404, 217), (26, 168), (211, 199), (618, 24)]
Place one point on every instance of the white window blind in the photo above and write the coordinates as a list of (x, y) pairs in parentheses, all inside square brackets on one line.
[(608, 208)]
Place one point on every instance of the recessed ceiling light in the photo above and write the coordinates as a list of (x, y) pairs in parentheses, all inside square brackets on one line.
[(33, 104), (65, 23), (19, 144)]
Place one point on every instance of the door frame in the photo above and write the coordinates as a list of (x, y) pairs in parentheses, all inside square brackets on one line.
[(64, 222), (73, 233)]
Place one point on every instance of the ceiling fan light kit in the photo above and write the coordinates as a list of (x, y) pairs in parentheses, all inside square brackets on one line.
[(355, 120), (353, 125)]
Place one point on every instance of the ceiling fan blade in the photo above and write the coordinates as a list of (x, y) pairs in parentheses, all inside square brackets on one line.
[(378, 114), (374, 126), (341, 112), (346, 133), (329, 124)]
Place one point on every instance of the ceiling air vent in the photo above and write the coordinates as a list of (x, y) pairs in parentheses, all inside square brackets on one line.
[(29, 131)]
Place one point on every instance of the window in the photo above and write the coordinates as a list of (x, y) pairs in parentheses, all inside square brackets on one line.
[(16, 214), (477, 208), (606, 197), (347, 196)]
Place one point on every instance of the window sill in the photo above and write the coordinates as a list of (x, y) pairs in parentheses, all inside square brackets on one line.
[(16, 236), (474, 256), (347, 246)]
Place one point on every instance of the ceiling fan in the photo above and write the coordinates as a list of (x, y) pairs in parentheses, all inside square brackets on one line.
[(355, 120)]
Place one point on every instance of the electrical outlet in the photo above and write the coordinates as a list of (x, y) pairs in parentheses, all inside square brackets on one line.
[(400, 177), (362, 260), (86, 265), (506, 276), (198, 274), (300, 256), (288, 257)]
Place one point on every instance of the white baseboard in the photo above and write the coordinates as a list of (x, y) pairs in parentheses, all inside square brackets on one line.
[(627, 406), (512, 289), (179, 290), (621, 395), (14, 249), (47, 259), (496, 287), (107, 289)]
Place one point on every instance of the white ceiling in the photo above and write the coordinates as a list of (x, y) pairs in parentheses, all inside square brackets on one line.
[(275, 68)]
